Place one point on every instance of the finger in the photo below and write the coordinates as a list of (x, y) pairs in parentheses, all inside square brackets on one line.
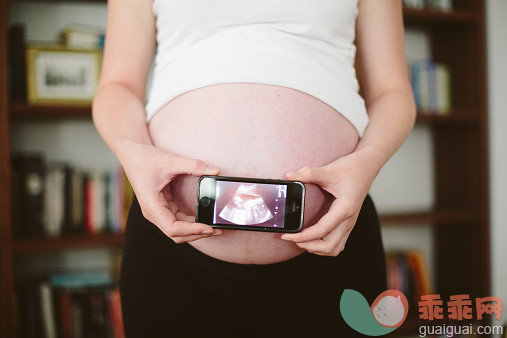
[(191, 238), (329, 244), (181, 216), (172, 227), (182, 228), (309, 174), (344, 239), (337, 213), (191, 166)]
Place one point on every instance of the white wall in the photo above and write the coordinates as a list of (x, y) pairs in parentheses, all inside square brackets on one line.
[(405, 183), (497, 83)]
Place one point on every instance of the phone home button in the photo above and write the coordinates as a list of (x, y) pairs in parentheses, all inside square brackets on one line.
[(205, 201)]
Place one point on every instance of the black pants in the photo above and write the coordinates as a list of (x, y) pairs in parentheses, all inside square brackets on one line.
[(174, 290)]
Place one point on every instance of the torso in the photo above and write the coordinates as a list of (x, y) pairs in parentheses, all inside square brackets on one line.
[(252, 130)]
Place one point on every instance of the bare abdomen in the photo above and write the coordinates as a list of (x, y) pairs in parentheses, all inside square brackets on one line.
[(252, 130)]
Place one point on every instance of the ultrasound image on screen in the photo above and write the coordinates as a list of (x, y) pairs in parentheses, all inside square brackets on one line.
[(243, 203)]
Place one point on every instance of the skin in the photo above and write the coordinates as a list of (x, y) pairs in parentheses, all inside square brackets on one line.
[(118, 114), (252, 130)]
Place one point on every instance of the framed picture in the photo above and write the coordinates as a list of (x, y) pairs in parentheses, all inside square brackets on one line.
[(59, 75)]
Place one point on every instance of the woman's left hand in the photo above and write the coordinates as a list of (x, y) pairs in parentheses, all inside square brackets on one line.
[(348, 179)]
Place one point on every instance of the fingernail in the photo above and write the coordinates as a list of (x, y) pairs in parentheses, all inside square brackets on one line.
[(212, 170), (207, 232), (216, 233), (292, 175)]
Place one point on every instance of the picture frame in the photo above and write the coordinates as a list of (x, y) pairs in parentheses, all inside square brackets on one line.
[(58, 75)]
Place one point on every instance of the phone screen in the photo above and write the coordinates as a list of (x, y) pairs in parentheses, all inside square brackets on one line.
[(244, 203)]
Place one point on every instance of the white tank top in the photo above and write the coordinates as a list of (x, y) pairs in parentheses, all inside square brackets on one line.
[(307, 45)]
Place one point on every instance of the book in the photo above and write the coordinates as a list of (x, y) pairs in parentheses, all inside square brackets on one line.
[(115, 314), (68, 309), (57, 192), (442, 5), (64, 200), (82, 279), (431, 86), (77, 202), (443, 88), (29, 309), (48, 316), (17, 63), (99, 202), (407, 271), (83, 36), (28, 189)]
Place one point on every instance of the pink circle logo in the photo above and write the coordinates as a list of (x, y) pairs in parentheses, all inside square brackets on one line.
[(390, 308)]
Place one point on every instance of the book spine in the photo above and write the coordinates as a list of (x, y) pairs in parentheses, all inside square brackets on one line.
[(416, 84), (90, 229), (65, 314), (443, 85), (17, 63), (424, 87), (432, 90), (48, 316), (29, 190), (67, 200), (77, 202)]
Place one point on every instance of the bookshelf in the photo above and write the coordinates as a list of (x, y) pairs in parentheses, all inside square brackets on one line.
[(459, 220), (460, 217)]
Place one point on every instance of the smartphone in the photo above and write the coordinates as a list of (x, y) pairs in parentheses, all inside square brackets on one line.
[(255, 204)]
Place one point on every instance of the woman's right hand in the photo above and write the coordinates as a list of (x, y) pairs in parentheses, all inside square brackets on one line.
[(150, 170)]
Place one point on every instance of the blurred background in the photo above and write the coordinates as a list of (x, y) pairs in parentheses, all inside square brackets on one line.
[(441, 198)]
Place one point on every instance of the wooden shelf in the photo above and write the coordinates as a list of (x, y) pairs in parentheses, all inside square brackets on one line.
[(414, 16), (25, 111), (433, 217), (454, 118), (46, 1), (30, 112), (67, 242)]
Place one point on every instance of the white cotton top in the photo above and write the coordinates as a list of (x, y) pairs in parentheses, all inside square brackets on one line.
[(307, 45)]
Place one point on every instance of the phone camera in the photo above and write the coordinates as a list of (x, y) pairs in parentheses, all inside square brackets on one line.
[(205, 201)]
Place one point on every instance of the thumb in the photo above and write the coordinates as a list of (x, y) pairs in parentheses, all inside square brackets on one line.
[(307, 175), (191, 166)]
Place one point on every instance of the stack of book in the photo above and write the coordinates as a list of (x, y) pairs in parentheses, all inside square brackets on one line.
[(407, 271), (431, 84), (71, 304), (82, 36), (443, 5), (54, 199)]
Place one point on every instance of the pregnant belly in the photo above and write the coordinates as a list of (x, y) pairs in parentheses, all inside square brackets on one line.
[(252, 130)]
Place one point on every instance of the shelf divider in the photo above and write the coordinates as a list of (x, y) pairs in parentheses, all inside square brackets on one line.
[(432, 217), (67, 242)]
